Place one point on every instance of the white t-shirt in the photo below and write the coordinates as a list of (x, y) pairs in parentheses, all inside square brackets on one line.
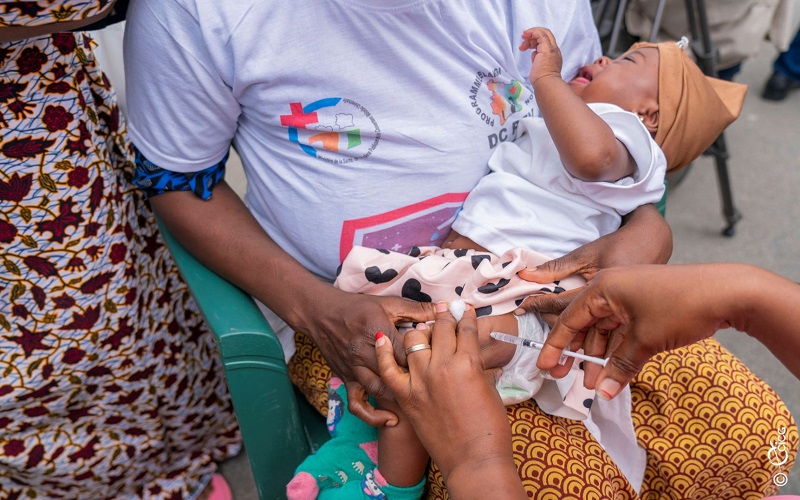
[(530, 200), (359, 122)]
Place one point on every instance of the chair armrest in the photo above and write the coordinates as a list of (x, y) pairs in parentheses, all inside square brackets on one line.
[(263, 397), (227, 309)]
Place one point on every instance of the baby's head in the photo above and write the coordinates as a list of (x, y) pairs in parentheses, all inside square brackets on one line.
[(682, 108), (629, 81)]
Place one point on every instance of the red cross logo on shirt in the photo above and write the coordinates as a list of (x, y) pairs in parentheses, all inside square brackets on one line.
[(298, 118)]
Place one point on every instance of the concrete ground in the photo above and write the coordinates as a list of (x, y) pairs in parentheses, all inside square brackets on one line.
[(765, 172)]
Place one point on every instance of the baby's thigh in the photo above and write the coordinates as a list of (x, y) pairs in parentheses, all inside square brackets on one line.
[(496, 354)]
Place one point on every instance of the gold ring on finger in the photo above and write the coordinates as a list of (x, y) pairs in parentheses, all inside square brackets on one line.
[(418, 347)]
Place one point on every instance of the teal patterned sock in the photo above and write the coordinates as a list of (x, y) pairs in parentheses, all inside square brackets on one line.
[(345, 466)]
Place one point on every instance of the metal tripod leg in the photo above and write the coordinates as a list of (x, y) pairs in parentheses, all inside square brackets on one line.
[(705, 52), (729, 210)]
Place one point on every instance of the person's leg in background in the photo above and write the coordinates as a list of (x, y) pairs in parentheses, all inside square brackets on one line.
[(729, 73), (785, 73)]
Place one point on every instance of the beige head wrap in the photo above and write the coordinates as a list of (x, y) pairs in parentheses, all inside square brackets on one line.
[(693, 108)]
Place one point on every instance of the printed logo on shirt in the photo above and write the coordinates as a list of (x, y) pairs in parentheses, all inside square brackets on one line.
[(401, 229), (335, 129), (495, 98)]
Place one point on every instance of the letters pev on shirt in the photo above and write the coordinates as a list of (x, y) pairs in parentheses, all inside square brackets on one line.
[(358, 123)]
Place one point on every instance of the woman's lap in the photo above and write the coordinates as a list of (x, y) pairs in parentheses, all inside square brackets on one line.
[(707, 429), (721, 420)]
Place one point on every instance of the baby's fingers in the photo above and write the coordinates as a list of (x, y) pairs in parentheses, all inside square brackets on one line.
[(537, 38), (528, 40), (395, 378), (359, 405)]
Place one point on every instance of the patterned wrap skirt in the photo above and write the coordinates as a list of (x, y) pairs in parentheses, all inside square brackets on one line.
[(111, 384)]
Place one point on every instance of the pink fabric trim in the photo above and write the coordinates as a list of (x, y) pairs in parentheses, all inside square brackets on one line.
[(350, 227)]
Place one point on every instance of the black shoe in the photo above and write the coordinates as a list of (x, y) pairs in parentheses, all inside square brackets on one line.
[(778, 87)]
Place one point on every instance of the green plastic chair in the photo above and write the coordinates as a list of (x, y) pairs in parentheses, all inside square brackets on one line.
[(278, 426), (662, 203)]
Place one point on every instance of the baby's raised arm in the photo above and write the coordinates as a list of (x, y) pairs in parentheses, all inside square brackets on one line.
[(586, 144)]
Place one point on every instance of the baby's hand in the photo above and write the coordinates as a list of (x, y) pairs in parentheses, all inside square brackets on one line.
[(546, 56)]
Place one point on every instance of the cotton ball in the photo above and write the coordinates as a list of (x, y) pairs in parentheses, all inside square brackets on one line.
[(457, 308)]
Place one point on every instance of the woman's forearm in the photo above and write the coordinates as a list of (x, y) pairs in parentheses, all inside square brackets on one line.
[(651, 309), (495, 477), (772, 311), (223, 234)]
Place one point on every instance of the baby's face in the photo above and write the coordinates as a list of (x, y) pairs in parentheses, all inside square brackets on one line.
[(630, 81)]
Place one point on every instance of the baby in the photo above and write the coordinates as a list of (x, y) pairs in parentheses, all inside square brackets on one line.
[(599, 150)]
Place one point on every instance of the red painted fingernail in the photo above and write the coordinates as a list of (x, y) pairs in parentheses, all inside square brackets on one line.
[(378, 335), (380, 339), (608, 388)]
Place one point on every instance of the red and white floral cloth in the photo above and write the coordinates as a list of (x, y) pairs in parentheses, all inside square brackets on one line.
[(111, 385)]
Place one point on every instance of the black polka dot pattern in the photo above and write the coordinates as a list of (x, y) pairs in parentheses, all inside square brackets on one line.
[(412, 289), (493, 287), (477, 259), (483, 311), (374, 275)]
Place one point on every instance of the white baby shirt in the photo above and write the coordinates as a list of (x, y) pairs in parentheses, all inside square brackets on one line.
[(530, 200)]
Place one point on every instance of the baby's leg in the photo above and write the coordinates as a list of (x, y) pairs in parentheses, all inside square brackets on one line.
[(402, 460), (345, 466), (496, 354), (455, 240), (520, 379)]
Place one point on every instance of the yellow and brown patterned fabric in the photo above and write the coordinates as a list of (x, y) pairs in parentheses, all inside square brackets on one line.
[(706, 421)]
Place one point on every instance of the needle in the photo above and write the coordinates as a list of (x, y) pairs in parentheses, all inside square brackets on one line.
[(503, 337)]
